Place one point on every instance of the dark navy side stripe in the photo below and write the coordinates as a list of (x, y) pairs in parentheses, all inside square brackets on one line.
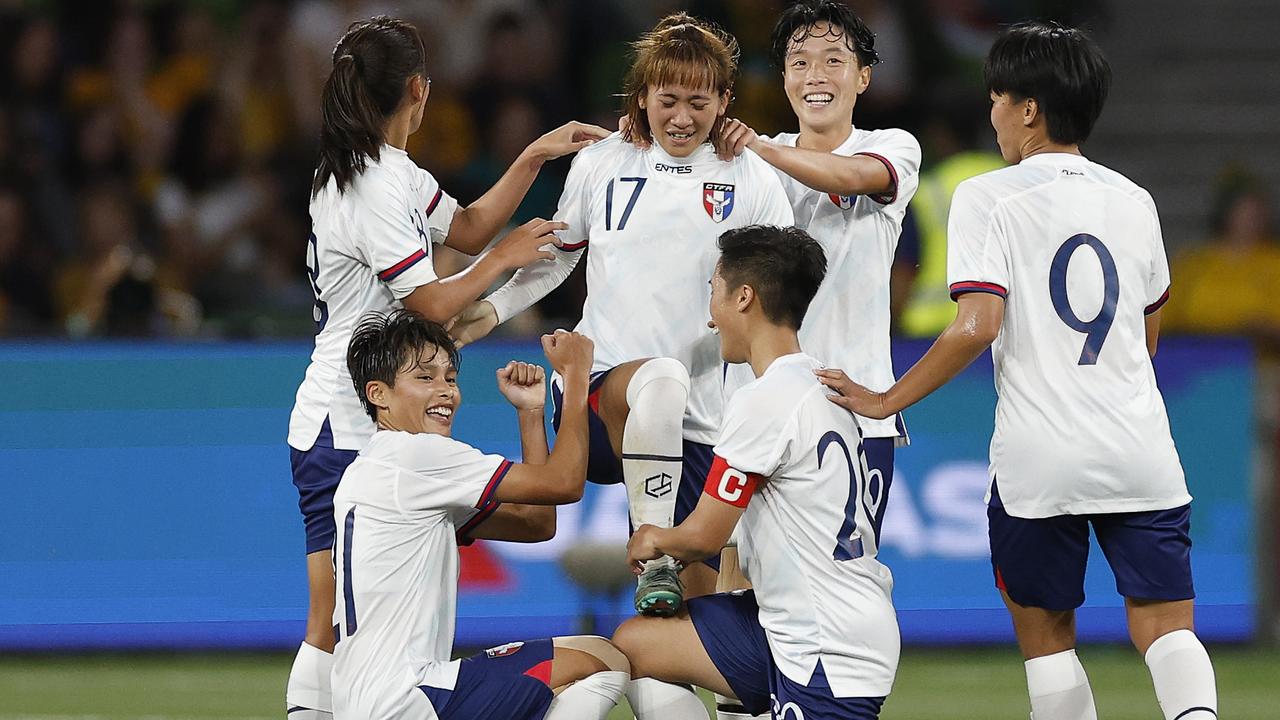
[(348, 594)]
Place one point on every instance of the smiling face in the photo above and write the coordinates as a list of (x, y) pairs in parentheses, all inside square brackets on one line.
[(681, 117), (823, 78), (727, 318), (423, 399)]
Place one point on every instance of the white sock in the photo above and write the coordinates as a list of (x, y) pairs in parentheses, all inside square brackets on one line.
[(1059, 689), (309, 685), (590, 698), (656, 700), (1183, 676), (652, 441), (728, 708)]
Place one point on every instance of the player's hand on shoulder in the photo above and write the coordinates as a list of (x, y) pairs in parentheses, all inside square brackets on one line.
[(476, 321), (642, 547), (736, 137), (529, 243), (570, 353), (852, 396), (524, 385), (624, 124), (568, 138)]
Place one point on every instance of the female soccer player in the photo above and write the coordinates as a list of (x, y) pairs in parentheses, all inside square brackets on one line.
[(375, 215), (849, 188), (414, 494), (650, 202), (1081, 435)]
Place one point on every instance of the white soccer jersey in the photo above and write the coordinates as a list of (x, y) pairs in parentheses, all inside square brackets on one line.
[(399, 511), (651, 221), (1076, 251), (848, 322), (370, 246), (808, 539)]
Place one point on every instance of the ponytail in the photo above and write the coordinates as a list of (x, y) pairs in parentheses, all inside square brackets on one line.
[(371, 64)]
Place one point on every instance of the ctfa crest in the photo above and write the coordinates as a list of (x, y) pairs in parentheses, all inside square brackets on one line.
[(844, 202), (504, 650), (717, 200)]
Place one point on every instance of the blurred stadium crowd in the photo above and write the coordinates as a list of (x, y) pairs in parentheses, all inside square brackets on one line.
[(155, 157)]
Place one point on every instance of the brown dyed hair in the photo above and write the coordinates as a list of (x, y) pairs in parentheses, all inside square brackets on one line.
[(680, 50)]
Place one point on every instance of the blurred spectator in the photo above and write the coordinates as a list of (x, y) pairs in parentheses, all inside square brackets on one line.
[(956, 139), (26, 303), (1228, 285), (109, 276), (155, 157)]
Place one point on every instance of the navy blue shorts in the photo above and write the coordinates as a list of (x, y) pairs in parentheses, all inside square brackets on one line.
[(1040, 562), (604, 467), (728, 624), (316, 473), (508, 681)]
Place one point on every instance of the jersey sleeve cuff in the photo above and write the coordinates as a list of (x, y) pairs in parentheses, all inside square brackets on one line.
[(889, 197), (435, 201), (464, 533), (1159, 303), (968, 286), (399, 268), (494, 481)]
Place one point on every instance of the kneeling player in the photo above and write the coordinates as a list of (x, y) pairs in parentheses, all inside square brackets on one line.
[(407, 501), (818, 636)]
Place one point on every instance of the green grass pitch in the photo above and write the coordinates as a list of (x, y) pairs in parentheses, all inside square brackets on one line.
[(933, 684)]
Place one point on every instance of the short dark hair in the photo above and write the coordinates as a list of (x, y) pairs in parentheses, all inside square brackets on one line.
[(784, 265), (1059, 67), (386, 343), (799, 20)]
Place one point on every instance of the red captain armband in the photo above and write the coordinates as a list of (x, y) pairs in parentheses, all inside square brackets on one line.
[(730, 486)]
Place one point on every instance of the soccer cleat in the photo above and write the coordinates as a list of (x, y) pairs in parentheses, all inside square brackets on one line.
[(661, 591)]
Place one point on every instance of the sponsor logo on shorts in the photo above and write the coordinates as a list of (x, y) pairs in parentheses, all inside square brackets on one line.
[(504, 650)]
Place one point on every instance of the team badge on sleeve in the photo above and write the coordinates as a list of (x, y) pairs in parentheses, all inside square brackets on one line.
[(728, 485), (844, 202), (717, 200)]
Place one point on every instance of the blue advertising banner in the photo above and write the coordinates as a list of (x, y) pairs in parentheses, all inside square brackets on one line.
[(149, 503)]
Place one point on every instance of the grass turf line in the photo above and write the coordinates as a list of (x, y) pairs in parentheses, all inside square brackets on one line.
[(938, 684)]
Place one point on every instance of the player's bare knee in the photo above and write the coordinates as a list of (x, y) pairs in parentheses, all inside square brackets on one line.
[(635, 639), (603, 651), (1150, 620)]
